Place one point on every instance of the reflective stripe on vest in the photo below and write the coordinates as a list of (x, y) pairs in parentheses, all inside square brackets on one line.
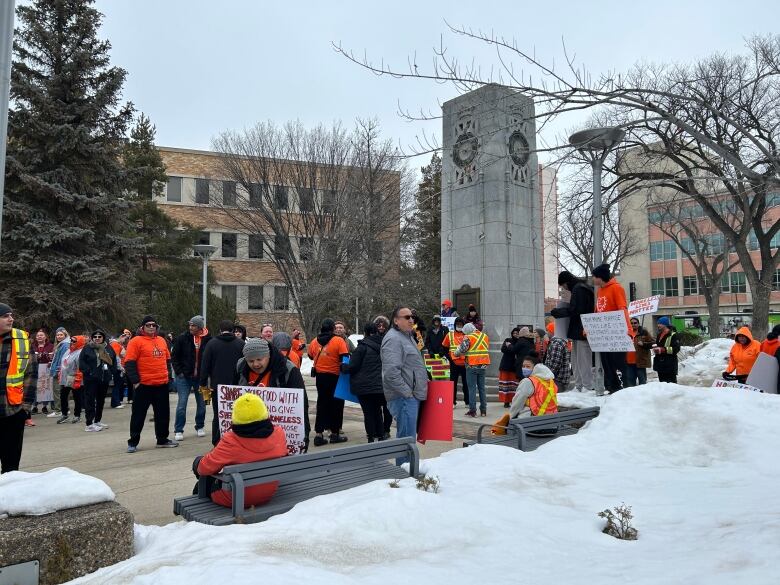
[(458, 360), (668, 342), (477, 353), (17, 366), (544, 400)]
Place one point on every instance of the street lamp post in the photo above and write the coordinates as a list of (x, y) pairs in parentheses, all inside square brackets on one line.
[(595, 144), (205, 251)]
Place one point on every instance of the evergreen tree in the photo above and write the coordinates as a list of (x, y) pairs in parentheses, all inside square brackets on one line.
[(66, 247)]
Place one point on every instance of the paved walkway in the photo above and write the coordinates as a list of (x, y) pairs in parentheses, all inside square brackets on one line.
[(147, 481)]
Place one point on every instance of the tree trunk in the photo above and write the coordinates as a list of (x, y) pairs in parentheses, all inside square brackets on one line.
[(761, 295), (713, 308)]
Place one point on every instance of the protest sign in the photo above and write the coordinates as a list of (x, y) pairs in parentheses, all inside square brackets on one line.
[(643, 306), (607, 331), (562, 323), (448, 322), (733, 384), (763, 374), (285, 409)]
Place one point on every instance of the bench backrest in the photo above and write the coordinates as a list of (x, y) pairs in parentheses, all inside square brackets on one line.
[(550, 421)]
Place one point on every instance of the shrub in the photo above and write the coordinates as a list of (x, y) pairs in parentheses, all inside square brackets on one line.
[(689, 338), (619, 523), (428, 483)]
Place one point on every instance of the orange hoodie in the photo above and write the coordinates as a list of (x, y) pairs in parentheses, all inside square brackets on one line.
[(742, 357), (612, 297), (146, 360), (769, 346)]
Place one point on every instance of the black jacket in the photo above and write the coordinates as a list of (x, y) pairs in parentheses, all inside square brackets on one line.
[(582, 302), (523, 346), (666, 363), (219, 360), (508, 357), (91, 369), (433, 340), (183, 354), (365, 367)]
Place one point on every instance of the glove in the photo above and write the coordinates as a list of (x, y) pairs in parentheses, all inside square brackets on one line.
[(205, 391)]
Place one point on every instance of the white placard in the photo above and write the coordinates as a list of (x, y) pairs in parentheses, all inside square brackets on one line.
[(607, 331), (763, 374), (562, 323), (448, 322), (644, 306), (285, 409), (733, 384)]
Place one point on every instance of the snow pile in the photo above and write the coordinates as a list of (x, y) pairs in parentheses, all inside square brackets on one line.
[(33, 494), (586, 399), (695, 464), (702, 364)]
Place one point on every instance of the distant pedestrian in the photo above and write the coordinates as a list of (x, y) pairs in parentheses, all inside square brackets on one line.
[(638, 361), (72, 380), (457, 362), (186, 361), (507, 378), (239, 331), (475, 348), (18, 386), (447, 310), (267, 332), (435, 337), (97, 363), (118, 391), (62, 343), (326, 352), (147, 364), (666, 348), (44, 353), (341, 330), (298, 344), (472, 316)]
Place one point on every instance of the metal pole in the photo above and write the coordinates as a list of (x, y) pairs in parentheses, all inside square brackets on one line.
[(7, 10), (205, 285), (598, 253)]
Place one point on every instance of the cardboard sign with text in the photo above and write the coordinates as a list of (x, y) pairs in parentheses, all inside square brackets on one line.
[(733, 384), (644, 306), (763, 374), (285, 409), (448, 322), (607, 331)]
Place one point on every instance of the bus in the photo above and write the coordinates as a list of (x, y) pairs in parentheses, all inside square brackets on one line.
[(728, 323)]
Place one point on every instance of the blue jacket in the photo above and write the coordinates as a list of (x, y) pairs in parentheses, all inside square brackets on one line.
[(56, 361)]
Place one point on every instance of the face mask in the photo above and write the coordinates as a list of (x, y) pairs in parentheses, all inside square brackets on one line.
[(526, 372), (459, 329)]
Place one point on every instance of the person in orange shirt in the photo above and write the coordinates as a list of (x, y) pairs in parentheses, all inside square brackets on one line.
[(743, 355), (298, 344), (326, 352), (457, 363), (611, 297), (147, 364), (770, 345)]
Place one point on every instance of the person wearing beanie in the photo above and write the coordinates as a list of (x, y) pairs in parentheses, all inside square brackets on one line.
[(264, 365), (472, 316), (18, 382), (97, 363), (457, 362), (666, 348), (239, 331), (435, 337), (283, 342), (611, 296), (581, 301), (147, 365), (251, 438), (326, 352), (186, 358), (447, 310), (474, 348)]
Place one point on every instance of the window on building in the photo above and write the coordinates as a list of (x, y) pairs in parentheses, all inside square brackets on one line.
[(714, 244), (753, 241), (670, 250), (229, 294), (655, 217), (173, 189), (255, 298), (305, 199), (688, 245), (255, 195), (657, 286), (329, 201), (282, 247), (202, 191), (281, 299), (656, 251), (671, 285), (229, 193), (306, 249), (229, 245), (204, 238), (738, 282), (280, 197), (724, 283), (666, 250), (690, 286), (255, 246), (776, 280)]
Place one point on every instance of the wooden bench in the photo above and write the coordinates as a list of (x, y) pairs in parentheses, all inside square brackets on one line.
[(300, 477), (528, 433)]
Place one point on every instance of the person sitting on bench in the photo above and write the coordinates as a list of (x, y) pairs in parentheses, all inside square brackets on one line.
[(536, 395), (251, 438)]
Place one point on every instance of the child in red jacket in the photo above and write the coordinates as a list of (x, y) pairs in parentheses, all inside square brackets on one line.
[(252, 438)]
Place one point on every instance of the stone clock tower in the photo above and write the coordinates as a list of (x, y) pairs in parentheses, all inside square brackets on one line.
[(491, 221)]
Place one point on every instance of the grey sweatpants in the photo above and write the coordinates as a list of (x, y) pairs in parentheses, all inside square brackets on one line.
[(582, 364)]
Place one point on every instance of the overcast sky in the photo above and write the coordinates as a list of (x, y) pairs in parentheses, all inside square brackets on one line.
[(197, 68)]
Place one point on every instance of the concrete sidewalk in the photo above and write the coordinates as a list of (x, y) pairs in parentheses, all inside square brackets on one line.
[(147, 481)]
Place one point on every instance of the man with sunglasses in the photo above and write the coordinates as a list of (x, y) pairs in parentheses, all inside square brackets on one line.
[(147, 363)]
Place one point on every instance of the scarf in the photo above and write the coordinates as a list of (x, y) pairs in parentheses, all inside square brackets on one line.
[(102, 354)]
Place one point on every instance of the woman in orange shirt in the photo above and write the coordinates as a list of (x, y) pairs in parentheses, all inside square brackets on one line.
[(326, 352)]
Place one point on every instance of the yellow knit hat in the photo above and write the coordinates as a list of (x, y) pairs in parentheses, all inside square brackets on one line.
[(249, 408)]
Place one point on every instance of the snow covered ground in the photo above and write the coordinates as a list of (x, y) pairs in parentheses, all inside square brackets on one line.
[(702, 364), (33, 494), (698, 466)]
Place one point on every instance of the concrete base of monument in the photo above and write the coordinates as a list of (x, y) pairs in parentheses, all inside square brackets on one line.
[(68, 543)]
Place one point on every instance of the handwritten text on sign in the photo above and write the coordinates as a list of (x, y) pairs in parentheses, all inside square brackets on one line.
[(732, 384), (607, 331), (285, 408), (448, 322), (643, 306)]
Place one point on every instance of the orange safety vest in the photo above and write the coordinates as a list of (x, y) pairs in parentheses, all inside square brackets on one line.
[(544, 400), (17, 365), (454, 338), (477, 353)]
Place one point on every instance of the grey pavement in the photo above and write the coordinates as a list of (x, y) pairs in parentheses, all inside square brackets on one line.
[(147, 481)]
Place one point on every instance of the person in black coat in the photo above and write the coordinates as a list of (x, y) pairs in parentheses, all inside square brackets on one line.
[(365, 370), (218, 366), (582, 302), (97, 363), (435, 337), (667, 346), (524, 345)]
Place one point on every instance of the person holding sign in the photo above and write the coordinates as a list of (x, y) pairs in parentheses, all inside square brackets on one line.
[(742, 356), (666, 348), (611, 297), (251, 438)]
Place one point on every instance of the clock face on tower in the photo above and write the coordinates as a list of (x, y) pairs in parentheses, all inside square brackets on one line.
[(519, 149), (464, 151)]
